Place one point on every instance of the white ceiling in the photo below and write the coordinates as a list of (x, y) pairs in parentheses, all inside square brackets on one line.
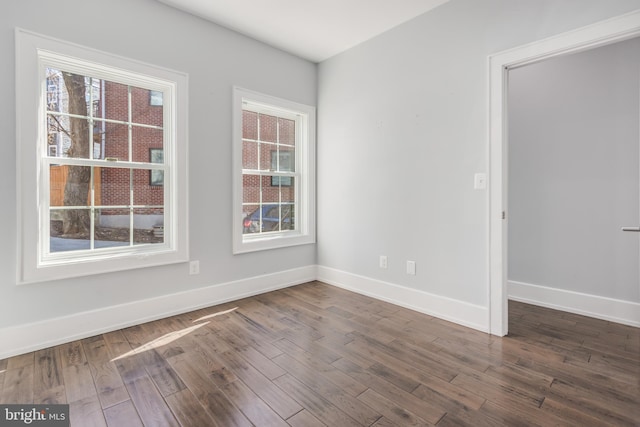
[(312, 29)]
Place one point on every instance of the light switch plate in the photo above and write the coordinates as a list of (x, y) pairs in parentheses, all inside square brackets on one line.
[(480, 181)]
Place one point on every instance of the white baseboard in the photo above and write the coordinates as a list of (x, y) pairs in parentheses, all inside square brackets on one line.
[(34, 336), (38, 335), (619, 311), (463, 313)]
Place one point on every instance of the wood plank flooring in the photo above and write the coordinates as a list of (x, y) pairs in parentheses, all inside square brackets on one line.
[(316, 355)]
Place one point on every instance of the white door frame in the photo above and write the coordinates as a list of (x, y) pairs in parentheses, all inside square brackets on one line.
[(605, 32)]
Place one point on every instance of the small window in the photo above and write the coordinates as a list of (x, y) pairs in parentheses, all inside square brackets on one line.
[(112, 171), (274, 161), (155, 98), (156, 176)]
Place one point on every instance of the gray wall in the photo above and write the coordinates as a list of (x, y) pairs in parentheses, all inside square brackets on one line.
[(573, 172), (403, 129), (215, 59)]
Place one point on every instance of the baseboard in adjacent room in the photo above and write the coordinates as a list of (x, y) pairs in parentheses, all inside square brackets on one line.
[(619, 311)]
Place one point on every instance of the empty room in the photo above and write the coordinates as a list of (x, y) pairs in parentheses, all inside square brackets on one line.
[(308, 213)]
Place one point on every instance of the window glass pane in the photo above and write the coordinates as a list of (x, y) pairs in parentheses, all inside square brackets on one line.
[(156, 98), (70, 136), (266, 218), (148, 225), (116, 102), (249, 155), (251, 218), (288, 192), (99, 139), (58, 140), (148, 187), (269, 218), (145, 139), (55, 87), (114, 186), (93, 96), (251, 188), (249, 125), (146, 106), (276, 189), (268, 128), (112, 228), (283, 159), (68, 93), (69, 230), (70, 181), (69, 185), (156, 179), (286, 131), (287, 219), (265, 156), (115, 139), (270, 194), (57, 180)]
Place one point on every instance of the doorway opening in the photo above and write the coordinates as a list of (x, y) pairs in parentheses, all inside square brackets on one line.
[(596, 35)]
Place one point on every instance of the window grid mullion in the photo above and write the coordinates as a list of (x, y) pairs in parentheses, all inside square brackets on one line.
[(130, 142), (278, 169), (278, 144), (92, 212), (260, 179), (129, 128), (131, 204), (66, 208), (103, 120)]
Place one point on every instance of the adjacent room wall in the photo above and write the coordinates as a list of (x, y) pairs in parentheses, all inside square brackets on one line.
[(573, 178), (215, 59), (402, 131)]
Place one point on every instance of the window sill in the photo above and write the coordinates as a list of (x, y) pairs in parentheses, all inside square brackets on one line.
[(275, 241)]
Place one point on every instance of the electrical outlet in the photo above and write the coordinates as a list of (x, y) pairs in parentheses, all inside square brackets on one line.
[(411, 268), (383, 261), (194, 267)]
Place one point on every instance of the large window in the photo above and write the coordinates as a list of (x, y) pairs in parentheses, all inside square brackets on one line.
[(102, 152), (274, 172)]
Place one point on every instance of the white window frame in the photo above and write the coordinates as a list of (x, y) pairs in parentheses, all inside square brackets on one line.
[(34, 53), (305, 166)]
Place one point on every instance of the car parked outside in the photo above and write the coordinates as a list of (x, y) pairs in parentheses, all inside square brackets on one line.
[(269, 217)]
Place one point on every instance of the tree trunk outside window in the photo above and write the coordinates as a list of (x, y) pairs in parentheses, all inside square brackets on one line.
[(76, 191)]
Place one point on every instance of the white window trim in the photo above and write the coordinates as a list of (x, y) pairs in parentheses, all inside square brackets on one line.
[(305, 232), (33, 265)]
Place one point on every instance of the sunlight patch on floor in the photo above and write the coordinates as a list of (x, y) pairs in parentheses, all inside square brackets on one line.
[(160, 341), (220, 313)]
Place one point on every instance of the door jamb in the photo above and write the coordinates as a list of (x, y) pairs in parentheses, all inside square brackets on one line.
[(599, 34)]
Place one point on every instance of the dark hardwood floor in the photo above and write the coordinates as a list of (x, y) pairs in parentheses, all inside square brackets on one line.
[(315, 355)]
